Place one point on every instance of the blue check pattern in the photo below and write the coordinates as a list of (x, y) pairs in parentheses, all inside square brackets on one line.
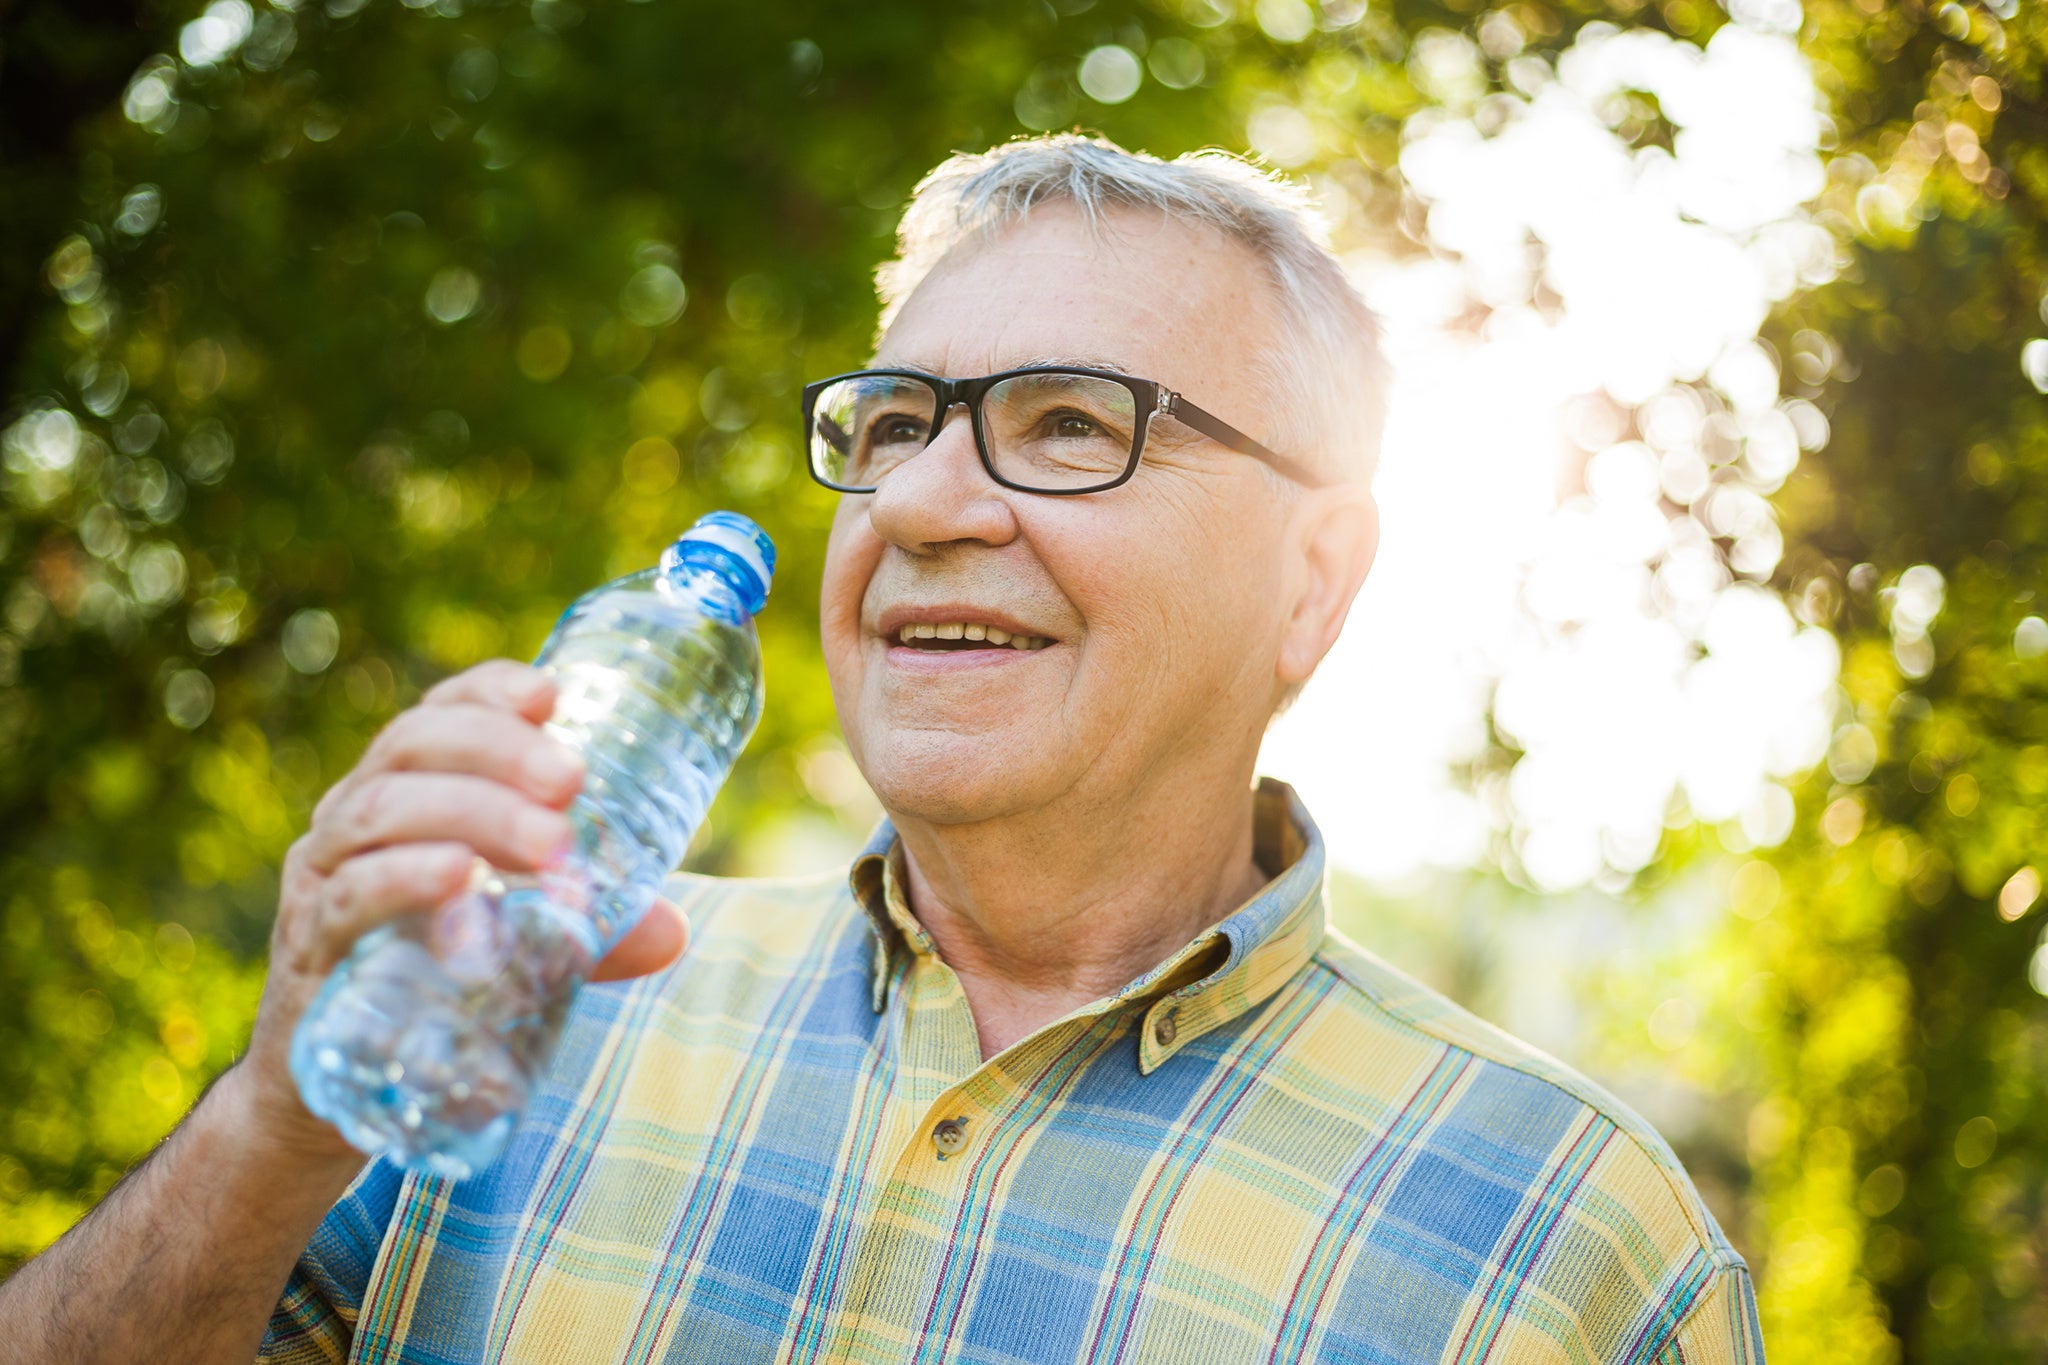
[(1271, 1148)]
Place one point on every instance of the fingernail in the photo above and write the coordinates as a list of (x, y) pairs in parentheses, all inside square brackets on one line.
[(529, 687)]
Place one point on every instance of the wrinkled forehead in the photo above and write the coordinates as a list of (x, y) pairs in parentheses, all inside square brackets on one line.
[(1136, 292)]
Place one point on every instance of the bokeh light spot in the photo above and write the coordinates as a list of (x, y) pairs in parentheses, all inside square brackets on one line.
[(650, 466), (1882, 1190), (188, 698), (453, 295), (1285, 21), (544, 352), (2019, 893), (1962, 795), (1176, 63), (654, 297), (2034, 363), (473, 74), (311, 640), (1842, 821), (1753, 892), (1282, 134), (162, 1082), (1111, 75), (207, 451), (214, 35), (1672, 1024), (1976, 1140), (2030, 638)]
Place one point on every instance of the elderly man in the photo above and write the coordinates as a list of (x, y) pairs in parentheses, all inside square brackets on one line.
[(1068, 1067)]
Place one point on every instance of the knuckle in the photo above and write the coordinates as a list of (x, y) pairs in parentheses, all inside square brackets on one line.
[(398, 736), (496, 683), (432, 874), (497, 675), (299, 875), (343, 893), (451, 686), (374, 799), (329, 802), (398, 745)]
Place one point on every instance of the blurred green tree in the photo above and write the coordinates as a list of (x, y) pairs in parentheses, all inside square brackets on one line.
[(381, 330), (1901, 1147)]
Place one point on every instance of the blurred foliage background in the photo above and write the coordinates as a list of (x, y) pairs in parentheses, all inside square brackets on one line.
[(343, 342)]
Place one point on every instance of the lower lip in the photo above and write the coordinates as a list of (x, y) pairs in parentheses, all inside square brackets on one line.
[(958, 660)]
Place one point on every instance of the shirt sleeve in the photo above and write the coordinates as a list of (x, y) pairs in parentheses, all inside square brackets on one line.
[(314, 1322), (1722, 1327)]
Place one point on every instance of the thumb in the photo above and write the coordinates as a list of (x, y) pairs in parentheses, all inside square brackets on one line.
[(656, 941)]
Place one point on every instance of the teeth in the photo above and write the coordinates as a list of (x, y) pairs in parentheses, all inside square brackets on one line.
[(968, 630)]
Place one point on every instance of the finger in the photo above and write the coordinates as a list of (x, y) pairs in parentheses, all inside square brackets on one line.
[(524, 757), (499, 823), (374, 887), (481, 741), (500, 683), (656, 941)]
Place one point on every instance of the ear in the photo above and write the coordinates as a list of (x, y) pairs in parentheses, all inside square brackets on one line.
[(1334, 534)]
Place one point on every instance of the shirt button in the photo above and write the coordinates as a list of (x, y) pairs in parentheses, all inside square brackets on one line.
[(1166, 1028), (949, 1136)]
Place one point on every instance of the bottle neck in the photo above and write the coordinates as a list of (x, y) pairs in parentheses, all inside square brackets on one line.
[(710, 589), (734, 567)]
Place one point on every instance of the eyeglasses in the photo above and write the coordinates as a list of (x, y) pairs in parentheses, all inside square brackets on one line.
[(1046, 429)]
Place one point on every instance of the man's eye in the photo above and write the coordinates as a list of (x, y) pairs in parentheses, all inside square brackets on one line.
[(896, 430), (1073, 426)]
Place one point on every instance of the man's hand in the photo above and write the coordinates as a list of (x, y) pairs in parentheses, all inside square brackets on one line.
[(466, 774), (185, 1259)]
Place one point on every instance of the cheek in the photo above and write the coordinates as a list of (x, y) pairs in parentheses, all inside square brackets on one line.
[(1190, 603), (1140, 602), (850, 559)]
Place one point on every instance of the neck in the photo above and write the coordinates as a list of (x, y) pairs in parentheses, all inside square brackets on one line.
[(1044, 911)]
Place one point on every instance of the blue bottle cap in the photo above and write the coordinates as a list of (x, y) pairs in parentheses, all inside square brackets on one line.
[(732, 546)]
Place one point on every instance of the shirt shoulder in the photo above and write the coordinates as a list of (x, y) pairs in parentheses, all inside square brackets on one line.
[(767, 917), (753, 939), (1584, 1156)]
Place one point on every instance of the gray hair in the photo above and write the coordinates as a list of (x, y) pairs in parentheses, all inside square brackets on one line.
[(1328, 378)]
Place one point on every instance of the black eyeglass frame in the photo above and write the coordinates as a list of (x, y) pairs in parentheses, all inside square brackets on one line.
[(1152, 399)]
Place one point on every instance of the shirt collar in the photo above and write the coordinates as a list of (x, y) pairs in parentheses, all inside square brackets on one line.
[(1225, 971)]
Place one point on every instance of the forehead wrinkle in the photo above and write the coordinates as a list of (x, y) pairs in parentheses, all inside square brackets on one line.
[(1073, 362), (1201, 337)]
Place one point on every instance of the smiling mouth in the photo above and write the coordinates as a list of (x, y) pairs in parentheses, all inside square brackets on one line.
[(958, 636)]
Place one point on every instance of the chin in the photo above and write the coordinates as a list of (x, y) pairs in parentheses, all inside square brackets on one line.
[(944, 778)]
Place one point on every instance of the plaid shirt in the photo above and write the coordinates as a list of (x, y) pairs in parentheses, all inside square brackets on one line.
[(1271, 1148)]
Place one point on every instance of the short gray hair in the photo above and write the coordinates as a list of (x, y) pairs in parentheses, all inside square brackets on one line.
[(1328, 378)]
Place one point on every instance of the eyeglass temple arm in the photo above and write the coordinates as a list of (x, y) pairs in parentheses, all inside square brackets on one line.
[(1220, 431)]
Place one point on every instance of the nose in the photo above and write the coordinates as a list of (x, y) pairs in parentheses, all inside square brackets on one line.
[(942, 495)]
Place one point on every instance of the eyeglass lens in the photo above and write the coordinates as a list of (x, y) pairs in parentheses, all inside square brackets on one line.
[(1048, 430)]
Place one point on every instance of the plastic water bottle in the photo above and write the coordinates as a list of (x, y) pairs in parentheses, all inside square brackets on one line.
[(424, 1043)]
